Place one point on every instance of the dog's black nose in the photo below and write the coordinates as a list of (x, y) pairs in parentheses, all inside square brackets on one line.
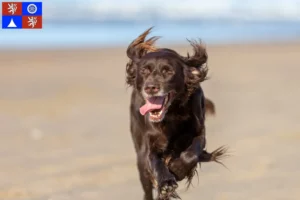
[(151, 88)]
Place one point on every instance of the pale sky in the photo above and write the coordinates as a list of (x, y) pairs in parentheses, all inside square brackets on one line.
[(172, 9)]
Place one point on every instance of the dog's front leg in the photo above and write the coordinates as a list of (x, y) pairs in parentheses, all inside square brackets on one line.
[(185, 165), (188, 160), (163, 179)]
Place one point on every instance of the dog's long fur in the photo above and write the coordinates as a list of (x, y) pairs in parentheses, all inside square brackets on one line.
[(169, 151)]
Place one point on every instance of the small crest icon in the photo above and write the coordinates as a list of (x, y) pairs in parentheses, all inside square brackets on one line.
[(32, 8), (32, 21), (12, 24), (12, 8)]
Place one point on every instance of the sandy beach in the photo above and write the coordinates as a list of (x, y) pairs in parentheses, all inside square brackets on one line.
[(59, 140)]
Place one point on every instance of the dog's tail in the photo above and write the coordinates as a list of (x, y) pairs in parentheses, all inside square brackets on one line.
[(210, 107)]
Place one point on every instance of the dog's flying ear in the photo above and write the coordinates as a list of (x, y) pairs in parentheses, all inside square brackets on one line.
[(196, 70), (139, 47), (199, 56), (197, 63)]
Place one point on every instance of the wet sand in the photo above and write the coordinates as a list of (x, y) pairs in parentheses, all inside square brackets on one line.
[(65, 132)]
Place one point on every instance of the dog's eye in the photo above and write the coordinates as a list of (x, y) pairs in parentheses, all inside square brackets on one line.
[(166, 70), (145, 71)]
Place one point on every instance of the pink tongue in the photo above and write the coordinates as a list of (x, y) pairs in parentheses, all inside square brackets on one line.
[(153, 103)]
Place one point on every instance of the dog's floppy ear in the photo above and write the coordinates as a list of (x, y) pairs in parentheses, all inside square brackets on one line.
[(135, 51), (196, 66), (197, 63), (139, 47), (199, 56)]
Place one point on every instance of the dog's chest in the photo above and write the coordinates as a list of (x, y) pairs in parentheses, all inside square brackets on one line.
[(179, 135)]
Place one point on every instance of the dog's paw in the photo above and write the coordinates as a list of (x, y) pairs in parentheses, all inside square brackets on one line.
[(167, 189), (178, 168), (181, 167)]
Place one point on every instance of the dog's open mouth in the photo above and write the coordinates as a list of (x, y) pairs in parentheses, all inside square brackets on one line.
[(157, 107)]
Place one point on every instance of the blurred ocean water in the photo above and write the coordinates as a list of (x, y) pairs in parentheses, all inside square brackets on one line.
[(101, 34), (116, 23)]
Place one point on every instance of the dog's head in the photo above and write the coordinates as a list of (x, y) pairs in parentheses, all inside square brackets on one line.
[(162, 76)]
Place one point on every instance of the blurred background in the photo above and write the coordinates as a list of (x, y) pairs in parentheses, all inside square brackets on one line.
[(64, 105), (101, 22)]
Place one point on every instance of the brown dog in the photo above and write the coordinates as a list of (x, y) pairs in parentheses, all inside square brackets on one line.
[(167, 114)]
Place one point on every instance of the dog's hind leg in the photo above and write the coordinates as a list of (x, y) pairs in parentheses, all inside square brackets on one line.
[(209, 107), (145, 179)]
